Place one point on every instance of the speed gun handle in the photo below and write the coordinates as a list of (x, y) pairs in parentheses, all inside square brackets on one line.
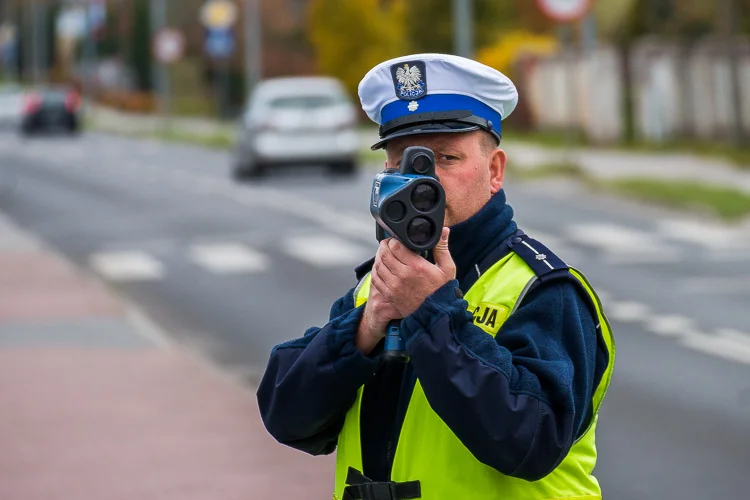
[(394, 348)]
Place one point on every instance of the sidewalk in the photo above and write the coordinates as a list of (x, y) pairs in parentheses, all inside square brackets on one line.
[(97, 407), (618, 164)]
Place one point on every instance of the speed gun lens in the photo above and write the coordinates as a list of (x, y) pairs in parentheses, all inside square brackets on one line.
[(424, 197), (421, 164), (420, 231)]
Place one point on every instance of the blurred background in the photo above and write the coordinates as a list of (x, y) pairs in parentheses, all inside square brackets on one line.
[(206, 165)]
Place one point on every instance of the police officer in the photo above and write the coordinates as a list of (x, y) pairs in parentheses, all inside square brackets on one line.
[(510, 354)]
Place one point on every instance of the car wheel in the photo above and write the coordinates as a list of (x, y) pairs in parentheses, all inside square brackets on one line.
[(73, 127), (255, 172), (344, 168), (245, 172)]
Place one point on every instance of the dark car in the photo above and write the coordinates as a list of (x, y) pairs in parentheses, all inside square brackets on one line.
[(51, 109)]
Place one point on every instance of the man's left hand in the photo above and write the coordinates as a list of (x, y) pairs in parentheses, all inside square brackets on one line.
[(405, 279)]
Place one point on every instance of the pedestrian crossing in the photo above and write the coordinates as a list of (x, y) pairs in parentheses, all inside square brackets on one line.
[(578, 243)]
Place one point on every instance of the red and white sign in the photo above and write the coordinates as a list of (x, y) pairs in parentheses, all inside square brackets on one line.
[(565, 11), (169, 45)]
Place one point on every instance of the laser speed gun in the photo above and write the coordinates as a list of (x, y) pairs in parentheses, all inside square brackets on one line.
[(408, 204)]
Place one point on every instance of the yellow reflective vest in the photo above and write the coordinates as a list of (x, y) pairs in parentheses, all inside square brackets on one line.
[(427, 449)]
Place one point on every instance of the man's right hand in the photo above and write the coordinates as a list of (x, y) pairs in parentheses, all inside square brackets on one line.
[(378, 313)]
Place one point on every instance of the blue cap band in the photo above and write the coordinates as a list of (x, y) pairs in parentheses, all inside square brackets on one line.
[(441, 102)]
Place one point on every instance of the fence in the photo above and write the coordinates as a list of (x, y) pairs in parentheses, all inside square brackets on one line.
[(678, 91)]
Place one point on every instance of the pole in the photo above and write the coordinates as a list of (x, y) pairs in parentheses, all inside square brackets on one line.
[(11, 64), (89, 56), (158, 16), (253, 44), (43, 42), (463, 24), (35, 56), (727, 14)]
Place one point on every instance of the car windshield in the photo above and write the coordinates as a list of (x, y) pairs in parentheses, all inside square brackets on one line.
[(54, 97), (305, 101)]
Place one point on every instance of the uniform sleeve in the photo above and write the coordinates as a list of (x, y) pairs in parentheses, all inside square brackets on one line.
[(310, 382), (516, 401)]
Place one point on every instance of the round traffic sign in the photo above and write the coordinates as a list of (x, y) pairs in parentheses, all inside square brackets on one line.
[(218, 14), (169, 45), (565, 11)]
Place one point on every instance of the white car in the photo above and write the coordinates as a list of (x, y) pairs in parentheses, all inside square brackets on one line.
[(297, 121), (11, 106)]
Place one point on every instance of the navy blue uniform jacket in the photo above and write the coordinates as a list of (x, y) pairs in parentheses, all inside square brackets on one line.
[(517, 401)]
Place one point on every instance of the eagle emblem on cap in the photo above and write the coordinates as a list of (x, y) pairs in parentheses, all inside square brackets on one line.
[(409, 80)]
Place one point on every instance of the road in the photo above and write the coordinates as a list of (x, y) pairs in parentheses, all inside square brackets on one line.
[(230, 270)]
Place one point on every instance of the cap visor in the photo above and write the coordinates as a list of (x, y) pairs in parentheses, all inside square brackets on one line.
[(441, 128)]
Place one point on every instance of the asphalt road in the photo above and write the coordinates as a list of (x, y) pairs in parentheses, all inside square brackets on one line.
[(230, 270)]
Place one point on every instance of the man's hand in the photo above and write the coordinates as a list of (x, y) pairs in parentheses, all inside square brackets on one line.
[(378, 313), (404, 279)]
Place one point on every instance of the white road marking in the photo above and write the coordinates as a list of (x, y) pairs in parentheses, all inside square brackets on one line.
[(127, 266), (627, 312), (669, 325), (227, 258), (316, 212), (735, 335), (325, 250), (727, 347), (623, 245), (710, 236)]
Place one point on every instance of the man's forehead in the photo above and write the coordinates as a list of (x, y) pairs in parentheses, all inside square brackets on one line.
[(432, 141)]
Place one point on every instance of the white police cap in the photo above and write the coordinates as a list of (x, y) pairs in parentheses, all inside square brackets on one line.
[(435, 93)]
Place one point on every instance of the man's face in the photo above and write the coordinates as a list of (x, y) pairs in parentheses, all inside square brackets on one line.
[(470, 168)]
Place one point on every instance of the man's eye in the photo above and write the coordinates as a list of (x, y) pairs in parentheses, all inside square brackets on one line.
[(449, 157)]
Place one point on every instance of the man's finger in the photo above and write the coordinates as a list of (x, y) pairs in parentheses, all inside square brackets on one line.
[(442, 255), (376, 281), (385, 274), (390, 261), (403, 254)]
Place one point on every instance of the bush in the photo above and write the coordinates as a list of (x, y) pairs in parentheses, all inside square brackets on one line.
[(132, 102)]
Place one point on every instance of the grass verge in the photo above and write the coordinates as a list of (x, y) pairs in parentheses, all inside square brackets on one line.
[(218, 140), (725, 202), (728, 203)]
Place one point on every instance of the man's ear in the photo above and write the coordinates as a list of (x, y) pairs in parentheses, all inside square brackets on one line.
[(497, 162)]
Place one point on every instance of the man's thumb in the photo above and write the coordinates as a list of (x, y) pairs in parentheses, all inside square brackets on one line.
[(441, 254)]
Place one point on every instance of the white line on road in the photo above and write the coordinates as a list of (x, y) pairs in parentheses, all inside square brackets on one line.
[(727, 347), (669, 325), (227, 258), (623, 245), (325, 250), (711, 236), (127, 266), (627, 312)]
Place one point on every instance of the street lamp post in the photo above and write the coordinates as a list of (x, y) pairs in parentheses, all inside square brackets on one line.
[(463, 27), (253, 44)]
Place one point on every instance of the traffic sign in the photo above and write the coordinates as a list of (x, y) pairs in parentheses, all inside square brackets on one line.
[(565, 11), (218, 14), (169, 45), (219, 43)]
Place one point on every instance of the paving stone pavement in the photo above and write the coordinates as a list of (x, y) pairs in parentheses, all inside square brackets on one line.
[(93, 409)]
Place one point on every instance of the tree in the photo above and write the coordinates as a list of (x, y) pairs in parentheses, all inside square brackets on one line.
[(429, 25), (140, 51), (351, 37)]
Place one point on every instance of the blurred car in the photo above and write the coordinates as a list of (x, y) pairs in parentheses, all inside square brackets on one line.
[(51, 109), (11, 106), (297, 121)]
